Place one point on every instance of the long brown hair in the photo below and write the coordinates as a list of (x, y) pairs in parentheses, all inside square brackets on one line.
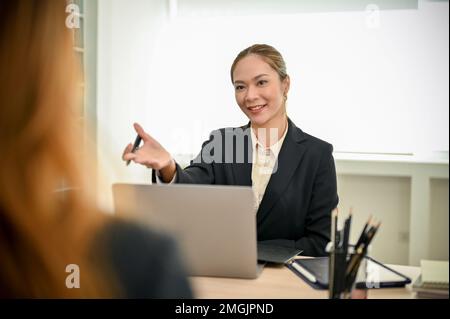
[(41, 232)]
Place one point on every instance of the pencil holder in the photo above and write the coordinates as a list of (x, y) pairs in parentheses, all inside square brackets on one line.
[(357, 287), (347, 274)]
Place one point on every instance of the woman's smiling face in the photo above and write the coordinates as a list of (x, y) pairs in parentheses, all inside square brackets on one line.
[(259, 91)]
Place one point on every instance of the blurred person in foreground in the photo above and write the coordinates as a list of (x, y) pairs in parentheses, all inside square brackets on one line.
[(41, 231)]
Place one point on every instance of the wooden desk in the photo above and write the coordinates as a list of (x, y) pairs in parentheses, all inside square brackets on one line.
[(280, 282)]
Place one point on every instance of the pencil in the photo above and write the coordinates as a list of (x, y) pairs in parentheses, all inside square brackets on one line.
[(331, 262), (363, 233), (347, 226)]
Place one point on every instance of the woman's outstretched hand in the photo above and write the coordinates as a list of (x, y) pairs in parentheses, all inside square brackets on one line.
[(151, 154)]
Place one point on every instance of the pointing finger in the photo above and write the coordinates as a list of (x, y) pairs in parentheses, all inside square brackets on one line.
[(141, 132)]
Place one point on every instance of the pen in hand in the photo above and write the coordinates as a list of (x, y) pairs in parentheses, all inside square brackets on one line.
[(137, 141)]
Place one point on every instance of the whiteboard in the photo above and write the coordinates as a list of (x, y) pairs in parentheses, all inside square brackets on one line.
[(364, 85)]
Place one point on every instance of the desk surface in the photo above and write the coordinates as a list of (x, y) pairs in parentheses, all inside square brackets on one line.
[(280, 282)]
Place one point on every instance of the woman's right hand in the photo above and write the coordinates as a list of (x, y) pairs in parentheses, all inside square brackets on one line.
[(151, 155)]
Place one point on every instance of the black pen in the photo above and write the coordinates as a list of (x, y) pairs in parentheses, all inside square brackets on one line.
[(363, 233), (137, 141), (347, 225), (371, 234)]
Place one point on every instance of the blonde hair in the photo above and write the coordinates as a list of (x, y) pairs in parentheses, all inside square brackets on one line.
[(268, 53), (42, 232)]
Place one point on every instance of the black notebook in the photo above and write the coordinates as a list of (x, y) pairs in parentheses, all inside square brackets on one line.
[(315, 272)]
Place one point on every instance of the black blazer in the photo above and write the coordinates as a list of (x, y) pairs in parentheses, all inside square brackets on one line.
[(296, 208), (144, 263)]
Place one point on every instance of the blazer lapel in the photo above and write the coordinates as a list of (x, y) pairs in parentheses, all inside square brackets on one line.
[(289, 158)]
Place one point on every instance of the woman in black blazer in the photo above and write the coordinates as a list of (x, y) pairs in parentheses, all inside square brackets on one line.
[(292, 173)]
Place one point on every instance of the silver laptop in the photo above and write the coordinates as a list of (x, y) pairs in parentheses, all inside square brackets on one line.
[(215, 226)]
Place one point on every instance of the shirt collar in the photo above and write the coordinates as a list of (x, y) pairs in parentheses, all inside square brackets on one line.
[(275, 148)]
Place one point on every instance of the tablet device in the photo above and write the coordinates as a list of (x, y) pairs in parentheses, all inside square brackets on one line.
[(315, 272)]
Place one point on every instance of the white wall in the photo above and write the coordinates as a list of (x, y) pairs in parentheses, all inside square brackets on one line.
[(363, 87), (439, 243), (127, 32), (387, 199)]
